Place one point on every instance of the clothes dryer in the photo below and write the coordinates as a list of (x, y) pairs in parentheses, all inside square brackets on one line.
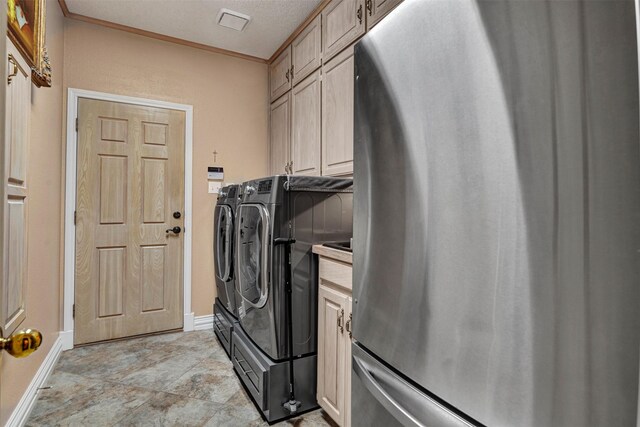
[(225, 307), (278, 221)]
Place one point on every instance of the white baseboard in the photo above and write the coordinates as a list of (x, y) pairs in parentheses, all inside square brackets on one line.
[(21, 413), (188, 322), (67, 340), (203, 323)]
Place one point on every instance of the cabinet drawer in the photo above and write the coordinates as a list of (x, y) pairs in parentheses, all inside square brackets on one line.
[(335, 272)]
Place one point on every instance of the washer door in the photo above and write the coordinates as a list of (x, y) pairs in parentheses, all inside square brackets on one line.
[(223, 242), (254, 250)]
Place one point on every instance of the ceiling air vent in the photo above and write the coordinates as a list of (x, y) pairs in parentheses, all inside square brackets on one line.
[(235, 20)]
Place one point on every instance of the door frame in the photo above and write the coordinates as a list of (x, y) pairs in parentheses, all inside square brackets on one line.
[(73, 95)]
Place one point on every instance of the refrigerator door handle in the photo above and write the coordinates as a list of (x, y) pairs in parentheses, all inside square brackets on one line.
[(433, 413)]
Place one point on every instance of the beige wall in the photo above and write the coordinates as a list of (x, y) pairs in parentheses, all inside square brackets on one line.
[(230, 104), (44, 222)]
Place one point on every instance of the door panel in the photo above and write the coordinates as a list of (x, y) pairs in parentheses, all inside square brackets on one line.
[(280, 135), (130, 181), (280, 74), (305, 135), (337, 114), (331, 352), (306, 51), (342, 23), (18, 108)]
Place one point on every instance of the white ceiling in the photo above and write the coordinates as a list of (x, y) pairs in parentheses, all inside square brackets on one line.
[(272, 21)]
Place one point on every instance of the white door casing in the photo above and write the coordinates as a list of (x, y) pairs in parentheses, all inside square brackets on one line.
[(70, 201)]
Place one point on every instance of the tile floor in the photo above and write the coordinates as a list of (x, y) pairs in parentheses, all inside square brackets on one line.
[(178, 379)]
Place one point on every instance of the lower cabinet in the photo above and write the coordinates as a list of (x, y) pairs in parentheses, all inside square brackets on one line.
[(334, 340)]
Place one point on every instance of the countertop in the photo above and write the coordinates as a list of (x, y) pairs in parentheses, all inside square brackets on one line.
[(336, 254)]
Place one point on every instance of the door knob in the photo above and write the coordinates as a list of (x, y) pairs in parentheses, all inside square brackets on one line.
[(22, 343), (174, 230)]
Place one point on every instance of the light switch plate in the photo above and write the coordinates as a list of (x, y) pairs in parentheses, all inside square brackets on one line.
[(214, 187)]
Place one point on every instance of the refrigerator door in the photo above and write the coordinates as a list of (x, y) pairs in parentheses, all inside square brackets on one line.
[(382, 398), (497, 207)]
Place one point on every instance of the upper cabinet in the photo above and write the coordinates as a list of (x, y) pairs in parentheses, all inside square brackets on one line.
[(343, 21), (280, 74), (305, 126), (280, 135), (312, 126), (306, 51), (378, 9), (337, 114)]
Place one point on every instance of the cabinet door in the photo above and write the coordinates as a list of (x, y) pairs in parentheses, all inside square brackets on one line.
[(305, 51), (347, 372), (280, 74), (280, 136), (332, 352), (342, 24), (378, 9), (337, 114), (305, 135)]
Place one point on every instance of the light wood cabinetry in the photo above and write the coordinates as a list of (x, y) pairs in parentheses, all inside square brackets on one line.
[(280, 75), (343, 21), (378, 9), (306, 51), (305, 126), (312, 127), (337, 114), (334, 334), (280, 134)]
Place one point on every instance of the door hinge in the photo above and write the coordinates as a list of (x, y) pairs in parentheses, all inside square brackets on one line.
[(76, 124), (75, 217), (74, 311)]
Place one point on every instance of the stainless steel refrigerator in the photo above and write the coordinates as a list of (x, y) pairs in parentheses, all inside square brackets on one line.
[(497, 215)]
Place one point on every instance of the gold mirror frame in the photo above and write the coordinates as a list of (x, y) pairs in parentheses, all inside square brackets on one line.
[(31, 46)]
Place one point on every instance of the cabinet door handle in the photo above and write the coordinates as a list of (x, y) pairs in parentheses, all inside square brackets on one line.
[(359, 14), (349, 325), (287, 75), (292, 66), (341, 321), (13, 73), (370, 6)]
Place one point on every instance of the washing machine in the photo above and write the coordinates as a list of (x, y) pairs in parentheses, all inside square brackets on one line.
[(278, 221), (225, 308)]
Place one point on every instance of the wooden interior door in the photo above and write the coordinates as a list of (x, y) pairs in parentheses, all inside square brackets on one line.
[(130, 182), (16, 189)]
